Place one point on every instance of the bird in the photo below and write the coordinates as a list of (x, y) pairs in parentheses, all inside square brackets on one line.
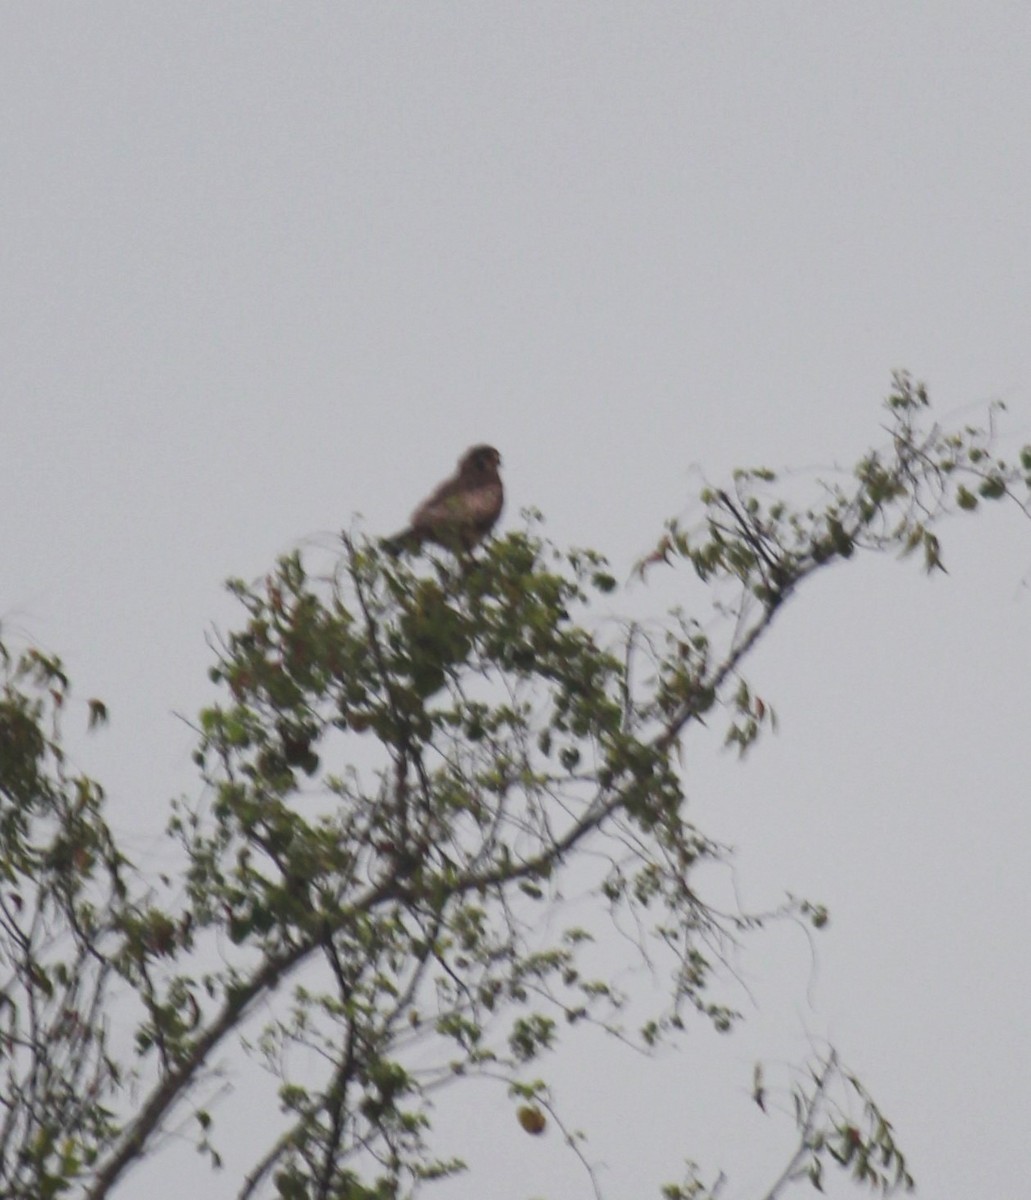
[(461, 511)]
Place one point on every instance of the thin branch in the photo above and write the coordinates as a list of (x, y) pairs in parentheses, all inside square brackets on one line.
[(822, 1081)]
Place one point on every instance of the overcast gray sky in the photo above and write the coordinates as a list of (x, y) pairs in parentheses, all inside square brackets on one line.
[(263, 266)]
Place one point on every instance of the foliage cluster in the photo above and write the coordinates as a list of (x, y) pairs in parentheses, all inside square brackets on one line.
[(412, 764)]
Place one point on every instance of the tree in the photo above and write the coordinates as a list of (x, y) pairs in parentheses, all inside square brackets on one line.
[(411, 761)]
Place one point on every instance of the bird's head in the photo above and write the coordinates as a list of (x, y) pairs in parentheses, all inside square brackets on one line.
[(479, 462)]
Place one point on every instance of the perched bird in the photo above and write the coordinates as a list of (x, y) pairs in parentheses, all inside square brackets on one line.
[(462, 510)]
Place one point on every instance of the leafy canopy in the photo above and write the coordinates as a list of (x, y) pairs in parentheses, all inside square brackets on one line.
[(413, 763)]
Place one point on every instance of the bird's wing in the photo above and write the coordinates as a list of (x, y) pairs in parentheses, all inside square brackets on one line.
[(446, 503)]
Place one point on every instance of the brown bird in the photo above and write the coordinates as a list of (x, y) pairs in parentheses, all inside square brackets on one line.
[(462, 510)]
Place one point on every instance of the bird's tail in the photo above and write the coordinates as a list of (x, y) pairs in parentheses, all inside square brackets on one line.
[(405, 542)]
